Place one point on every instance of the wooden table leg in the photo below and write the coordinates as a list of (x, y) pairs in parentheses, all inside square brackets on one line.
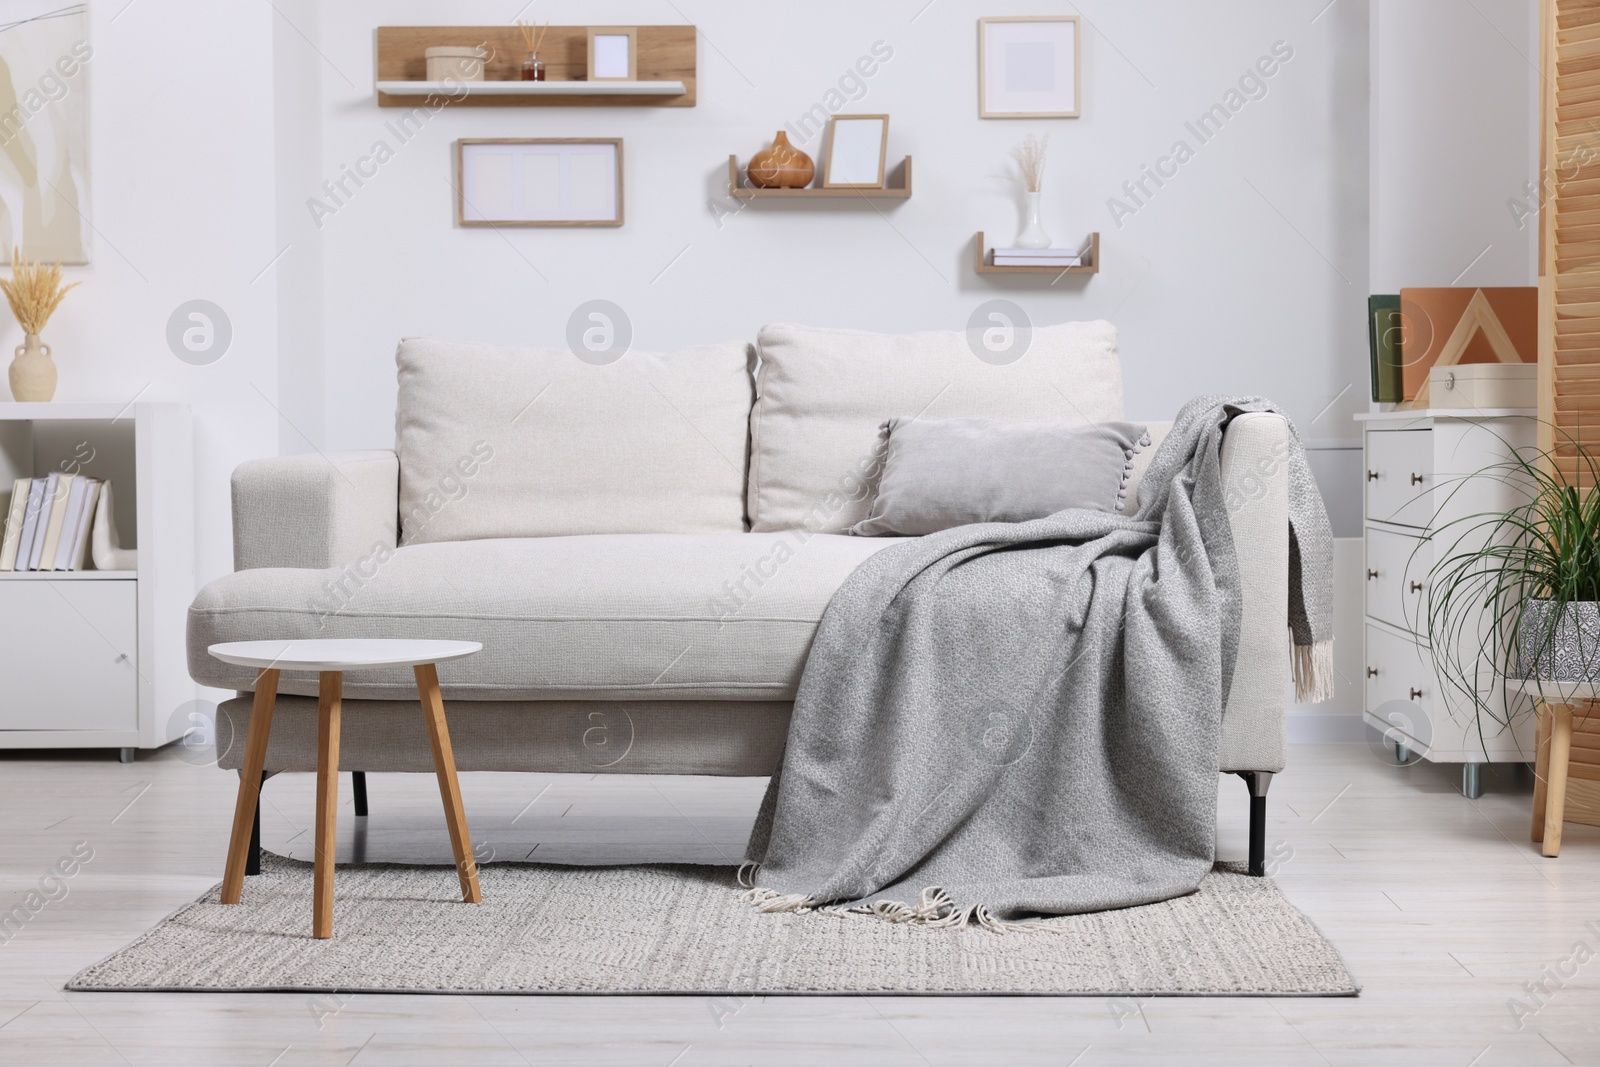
[(328, 708), (444, 764), (244, 808), (1556, 783)]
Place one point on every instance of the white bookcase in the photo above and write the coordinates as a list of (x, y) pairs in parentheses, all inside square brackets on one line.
[(95, 659), (1415, 479)]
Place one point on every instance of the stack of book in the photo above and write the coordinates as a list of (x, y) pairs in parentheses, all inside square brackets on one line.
[(1037, 257), (47, 528)]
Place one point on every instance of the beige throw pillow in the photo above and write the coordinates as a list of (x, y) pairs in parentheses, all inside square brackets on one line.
[(532, 442), (823, 394)]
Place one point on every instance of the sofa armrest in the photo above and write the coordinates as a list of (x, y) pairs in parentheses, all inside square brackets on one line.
[(314, 510), (1256, 483), (1255, 478)]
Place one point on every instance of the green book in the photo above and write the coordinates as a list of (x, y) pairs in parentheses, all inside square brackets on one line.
[(1383, 338)]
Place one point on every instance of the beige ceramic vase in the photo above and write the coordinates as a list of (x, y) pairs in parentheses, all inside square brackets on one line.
[(33, 375), (782, 166)]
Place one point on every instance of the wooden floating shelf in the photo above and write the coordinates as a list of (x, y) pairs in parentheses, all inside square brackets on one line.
[(545, 88), (897, 186), (665, 65), (1090, 253)]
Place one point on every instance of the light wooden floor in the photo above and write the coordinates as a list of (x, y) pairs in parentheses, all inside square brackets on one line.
[(1441, 906)]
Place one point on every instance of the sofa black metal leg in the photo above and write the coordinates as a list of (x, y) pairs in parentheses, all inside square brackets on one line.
[(252, 861), (1258, 782), (358, 789)]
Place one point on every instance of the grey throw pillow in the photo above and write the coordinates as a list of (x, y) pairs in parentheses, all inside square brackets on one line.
[(939, 473)]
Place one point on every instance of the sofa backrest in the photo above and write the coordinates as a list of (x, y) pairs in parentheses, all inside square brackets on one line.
[(823, 394), (534, 442)]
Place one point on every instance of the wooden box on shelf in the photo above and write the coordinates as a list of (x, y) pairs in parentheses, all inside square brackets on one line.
[(896, 186), (1090, 253), (665, 60), (89, 658)]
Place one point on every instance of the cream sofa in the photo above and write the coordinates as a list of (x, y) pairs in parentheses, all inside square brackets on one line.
[(645, 546)]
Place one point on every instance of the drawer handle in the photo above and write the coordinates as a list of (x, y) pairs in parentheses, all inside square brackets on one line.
[(1416, 587), (1371, 575), (1416, 479), (1416, 694), (1372, 672), (1372, 476)]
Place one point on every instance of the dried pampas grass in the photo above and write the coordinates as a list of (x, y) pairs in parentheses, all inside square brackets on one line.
[(1029, 157), (34, 291)]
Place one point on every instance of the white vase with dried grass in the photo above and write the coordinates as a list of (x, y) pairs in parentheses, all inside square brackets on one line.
[(34, 291), (1029, 157)]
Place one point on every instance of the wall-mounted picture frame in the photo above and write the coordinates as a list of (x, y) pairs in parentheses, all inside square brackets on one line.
[(539, 181), (1030, 67), (613, 54), (857, 146)]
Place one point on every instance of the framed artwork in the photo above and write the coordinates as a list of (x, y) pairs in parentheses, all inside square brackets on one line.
[(1030, 67), (44, 130), (539, 181), (856, 147), (613, 54)]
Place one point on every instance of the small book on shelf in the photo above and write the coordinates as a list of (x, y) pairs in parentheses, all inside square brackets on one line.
[(30, 523), (50, 522), (1036, 253), (1037, 261), (81, 533), (41, 521), (59, 492), (67, 549), (1384, 336), (13, 531)]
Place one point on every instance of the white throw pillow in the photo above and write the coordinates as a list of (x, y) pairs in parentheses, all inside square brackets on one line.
[(533, 442), (823, 394)]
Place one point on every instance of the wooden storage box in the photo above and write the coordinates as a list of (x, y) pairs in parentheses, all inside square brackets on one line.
[(1484, 386)]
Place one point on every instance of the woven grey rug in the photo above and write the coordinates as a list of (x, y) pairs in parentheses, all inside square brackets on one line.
[(687, 929)]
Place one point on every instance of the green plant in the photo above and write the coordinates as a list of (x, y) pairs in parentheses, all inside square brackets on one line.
[(1493, 563)]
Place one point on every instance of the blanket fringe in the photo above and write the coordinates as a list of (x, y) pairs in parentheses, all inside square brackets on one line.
[(933, 909), (770, 900), (746, 875), (1313, 672)]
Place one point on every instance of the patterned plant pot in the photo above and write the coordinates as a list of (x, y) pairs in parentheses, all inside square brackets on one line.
[(1564, 648)]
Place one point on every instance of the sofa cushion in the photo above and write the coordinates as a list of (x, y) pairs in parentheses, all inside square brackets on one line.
[(822, 394), (941, 473), (534, 442), (607, 617)]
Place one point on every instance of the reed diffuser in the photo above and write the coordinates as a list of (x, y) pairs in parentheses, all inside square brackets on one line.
[(34, 291), (1029, 157), (532, 38)]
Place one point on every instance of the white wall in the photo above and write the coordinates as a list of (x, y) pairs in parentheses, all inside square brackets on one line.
[(1244, 273), (181, 174), (1455, 112), (297, 157)]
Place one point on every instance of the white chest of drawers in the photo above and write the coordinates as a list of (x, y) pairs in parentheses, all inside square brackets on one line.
[(1416, 469)]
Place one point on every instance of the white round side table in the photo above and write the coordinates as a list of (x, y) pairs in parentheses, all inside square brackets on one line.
[(331, 658)]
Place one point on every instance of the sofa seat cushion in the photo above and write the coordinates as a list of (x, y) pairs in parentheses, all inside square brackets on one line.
[(601, 617)]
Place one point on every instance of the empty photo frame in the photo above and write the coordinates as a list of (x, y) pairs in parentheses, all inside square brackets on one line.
[(856, 147), (546, 181), (1029, 67), (613, 54)]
